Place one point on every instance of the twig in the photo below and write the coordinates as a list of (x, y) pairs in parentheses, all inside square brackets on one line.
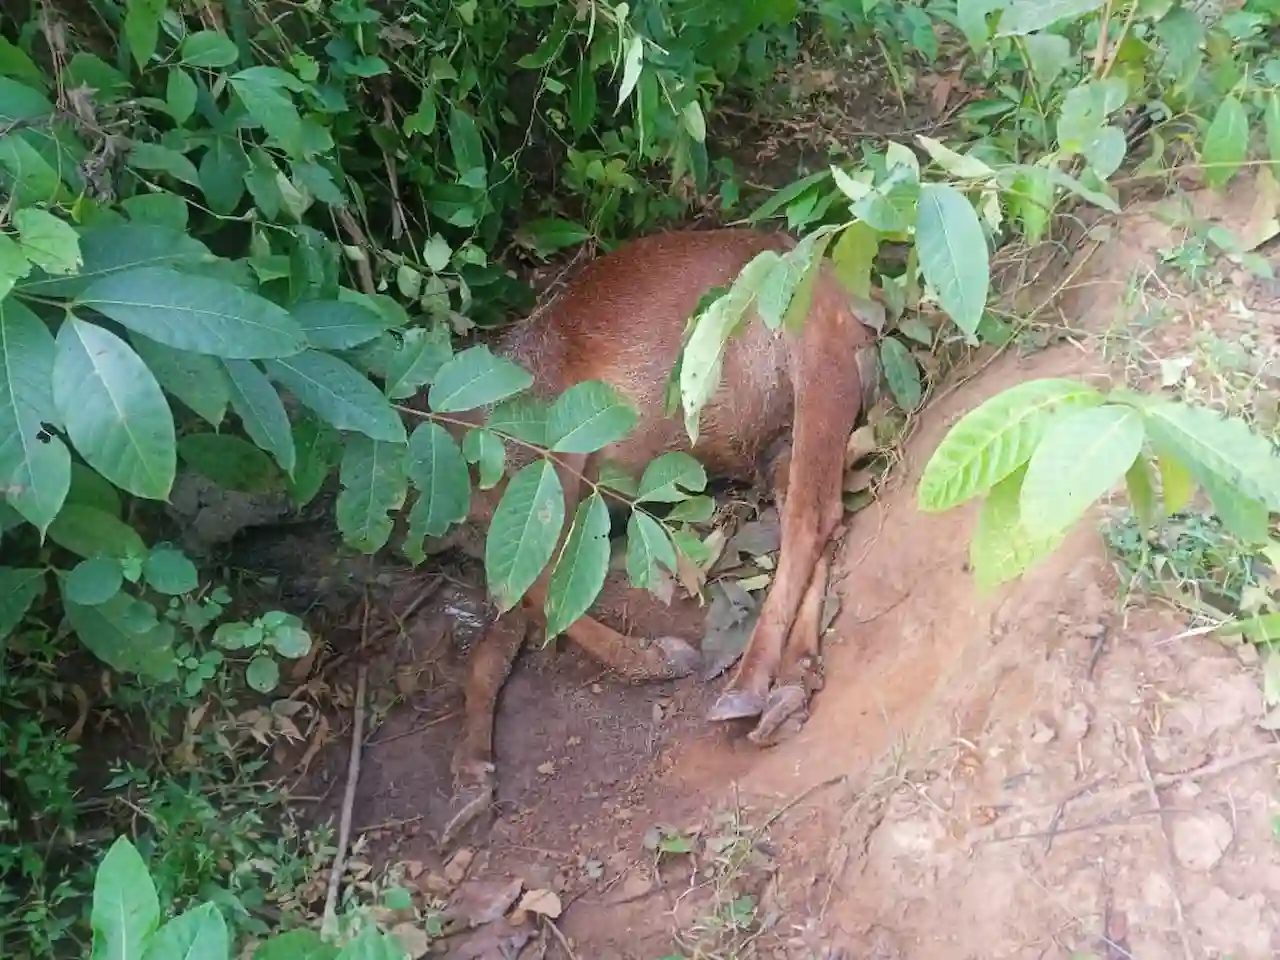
[(1100, 51), (358, 240), (1140, 755), (568, 950), (795, 801), (412, 730), (348, 804)]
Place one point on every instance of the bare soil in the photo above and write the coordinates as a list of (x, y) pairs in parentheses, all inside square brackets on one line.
[(1045, 772)]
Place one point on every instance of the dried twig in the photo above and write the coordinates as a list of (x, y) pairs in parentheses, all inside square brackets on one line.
[(348, 804), (1140, 757), (564, 942), (356, 235)]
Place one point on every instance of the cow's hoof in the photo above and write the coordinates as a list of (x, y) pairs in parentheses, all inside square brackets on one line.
[(736, 705), (785, 704), (473, 794), (682, 659)]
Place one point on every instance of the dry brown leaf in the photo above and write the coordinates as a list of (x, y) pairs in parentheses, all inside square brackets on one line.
[(544, 902)]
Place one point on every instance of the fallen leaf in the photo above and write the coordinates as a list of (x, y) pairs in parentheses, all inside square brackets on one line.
[(544, 902), (862, 443), (731, 617), (413, 939), (547, 769), (478, 902)]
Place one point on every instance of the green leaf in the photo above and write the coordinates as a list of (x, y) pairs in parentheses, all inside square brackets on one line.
[(261, 412), (671, 478), (89, 489), (1244, 517), (693, 510), (222, 174), (38, 488), (91, 532), (953, 253), (199, 934), (114, 411), (1271, 121), (464, 141), (153, 157), (1225, 142), (51, 244), (438, 471), (13, 264), (126, 909), (168, 571), (272, 110), (588, 416), (1001, 549), (1142, 492), (1022, 17), (1224, 446), (180, 95), (476, 378), (1032, 200), (1081, 456), (263, 673), (142, 28), (901, 373), (485, 449), (551, 234), (166, 210), (193, 313), (632, 66), (338, 324), (1176, 483), (523, 417), (209, 49), (319, 449), (416, 361), (115, 249), (338, 394), (579, 573), (371, 944), (300, 944), (994, 439), (197, 380), (93, 581), (1049, 54), (374, 483), (647, 546), (523, 533), (19, 589)]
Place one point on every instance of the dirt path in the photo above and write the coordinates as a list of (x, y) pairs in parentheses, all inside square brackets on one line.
[(1043, 772)]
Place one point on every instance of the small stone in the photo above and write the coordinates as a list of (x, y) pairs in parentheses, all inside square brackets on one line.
[(596, 688), (1041, 732), (1199, 841)]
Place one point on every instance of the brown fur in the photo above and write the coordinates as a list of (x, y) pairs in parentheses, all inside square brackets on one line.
[(622, 321)]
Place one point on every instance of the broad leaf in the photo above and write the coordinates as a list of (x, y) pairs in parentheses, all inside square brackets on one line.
[(19, 588), (168, 571), (180, 95), (647, 546), (1176, 483), (196, 313), (125, 634), (671, 478), (199, 934), (299, 944), (1224, 446), (1225, 142), (222, 174), (476, 378), (157, 158), (92, 532), (142, 28), (89, 489), (93, 581), (263, 673), (208, 48), (523, 417), (119, 248), (580, 569), (523, 533), (319, 449), (261, 411), (953, 253), (1022, 17), (901, 373), (48, 242), (1081, 456), (374, 484), (113, 409), (199, 381), (1001, 549), (1142, 492), (338, 394), (38, 488), (437, 470), (338, 324), (1244, 517), (417, 361), (994, 439), (587, 417), (126, 909), (484, 448)]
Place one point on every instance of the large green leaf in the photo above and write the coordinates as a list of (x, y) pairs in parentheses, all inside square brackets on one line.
[(476, 378), (1225, 142), (93, 581), (93, 532), (417, 360), (953, 253), (299, 944), (261, 412), (196, 313), (126, 909), (901, 373), (671, 477), (319, 448), (199, 934), (580, 569), (197, 380), (49, 242), (374, 484), (1224, 446), (38, 488), (338, 324), (1021, 17), (19, 588), (588, 416), (1081, 456), (222, 171), (208, 48), (994, 439), (485, 449), (119, 248), (339, 394), (125, 634), (229, 461), (437, 469), (523, 533), (1001, 549), (647, 546), (1244, 517), (113, 409), (523, 417)]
